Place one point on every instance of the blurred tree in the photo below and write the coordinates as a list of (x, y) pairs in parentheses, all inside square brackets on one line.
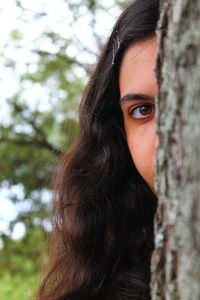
[(51, 67)]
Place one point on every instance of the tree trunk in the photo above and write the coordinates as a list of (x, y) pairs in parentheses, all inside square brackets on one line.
[(176, 259)]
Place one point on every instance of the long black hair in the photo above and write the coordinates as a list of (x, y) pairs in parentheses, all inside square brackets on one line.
[(103, 209)]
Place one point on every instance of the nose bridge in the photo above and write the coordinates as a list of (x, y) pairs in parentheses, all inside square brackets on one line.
[(156, 136), (155, 145), (156, 140)]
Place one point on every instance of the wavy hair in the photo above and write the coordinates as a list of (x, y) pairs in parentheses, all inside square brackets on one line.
[(103, 209)]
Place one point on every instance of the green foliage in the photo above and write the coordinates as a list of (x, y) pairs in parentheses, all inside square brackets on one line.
[(16, 287), (15, 34), (21, 262)]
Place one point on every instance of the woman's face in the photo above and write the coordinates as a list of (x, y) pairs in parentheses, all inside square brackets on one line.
[(138, 87)]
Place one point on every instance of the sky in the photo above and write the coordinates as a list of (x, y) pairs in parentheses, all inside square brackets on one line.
[(58, 18)]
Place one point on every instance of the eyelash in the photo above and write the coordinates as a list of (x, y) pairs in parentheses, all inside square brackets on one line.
[(131, 112)]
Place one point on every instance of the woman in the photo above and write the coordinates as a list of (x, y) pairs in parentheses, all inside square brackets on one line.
[(104, 196)]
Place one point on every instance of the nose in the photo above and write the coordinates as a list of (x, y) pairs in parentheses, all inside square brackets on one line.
[(156, 141), (155, 147)]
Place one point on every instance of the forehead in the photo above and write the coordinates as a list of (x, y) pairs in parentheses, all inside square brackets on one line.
[(137, 70), (142, 51)]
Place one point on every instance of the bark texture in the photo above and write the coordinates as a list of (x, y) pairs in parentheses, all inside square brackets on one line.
[(176, 259)]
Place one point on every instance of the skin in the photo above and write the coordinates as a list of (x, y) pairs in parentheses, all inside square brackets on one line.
[(137, 76)]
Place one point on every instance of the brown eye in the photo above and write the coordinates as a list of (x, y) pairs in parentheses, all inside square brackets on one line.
[(142, 111)]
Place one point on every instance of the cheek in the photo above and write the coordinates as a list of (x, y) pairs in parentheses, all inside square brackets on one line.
[(142, 144)]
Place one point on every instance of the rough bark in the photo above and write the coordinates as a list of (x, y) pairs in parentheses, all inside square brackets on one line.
[(176, 259)]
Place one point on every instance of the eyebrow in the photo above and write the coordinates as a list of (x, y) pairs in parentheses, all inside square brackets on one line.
[(130, 97)]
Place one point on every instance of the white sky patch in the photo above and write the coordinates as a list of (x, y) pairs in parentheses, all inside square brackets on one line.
[(47, 225), (8, 209), (8, 15), (18, 231), (4, 111)]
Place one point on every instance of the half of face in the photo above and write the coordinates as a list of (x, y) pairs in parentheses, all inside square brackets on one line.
[(138, 88)]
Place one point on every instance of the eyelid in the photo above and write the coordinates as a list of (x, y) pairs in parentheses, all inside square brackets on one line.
[(130, 111)]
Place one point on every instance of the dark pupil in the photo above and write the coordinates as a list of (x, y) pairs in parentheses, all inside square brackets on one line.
[(145, 110)]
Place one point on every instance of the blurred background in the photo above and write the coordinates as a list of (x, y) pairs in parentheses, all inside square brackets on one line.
[(48, 50)]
